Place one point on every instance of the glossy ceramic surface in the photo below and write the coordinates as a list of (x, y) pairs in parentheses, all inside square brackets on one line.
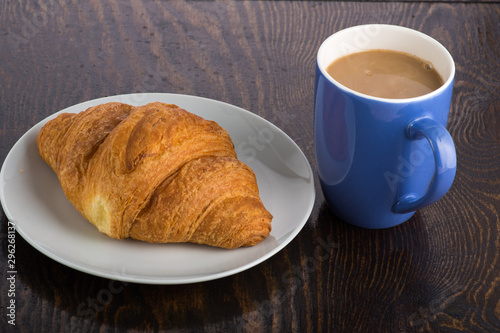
[(379, 160)]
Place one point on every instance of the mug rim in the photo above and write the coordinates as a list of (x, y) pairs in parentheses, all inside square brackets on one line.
[(447, 82)]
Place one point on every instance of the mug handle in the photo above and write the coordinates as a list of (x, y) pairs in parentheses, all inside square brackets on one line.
[(446, 164)]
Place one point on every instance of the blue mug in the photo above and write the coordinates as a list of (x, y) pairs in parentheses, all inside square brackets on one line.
[(379, 160)]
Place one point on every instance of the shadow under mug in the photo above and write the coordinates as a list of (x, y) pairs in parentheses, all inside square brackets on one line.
[(379, 160)]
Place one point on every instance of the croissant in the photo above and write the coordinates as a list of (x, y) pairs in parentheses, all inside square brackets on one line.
[(155, 173)]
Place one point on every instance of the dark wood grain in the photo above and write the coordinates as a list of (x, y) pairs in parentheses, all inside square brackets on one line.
[(440, 271)]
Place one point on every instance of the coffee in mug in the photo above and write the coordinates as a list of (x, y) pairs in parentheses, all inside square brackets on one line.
[(381, 159), (386, 74)]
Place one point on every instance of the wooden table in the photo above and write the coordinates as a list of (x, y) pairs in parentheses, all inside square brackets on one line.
[(440, 271)]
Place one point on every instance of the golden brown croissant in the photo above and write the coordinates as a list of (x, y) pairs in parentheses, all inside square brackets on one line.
[(155, 173)]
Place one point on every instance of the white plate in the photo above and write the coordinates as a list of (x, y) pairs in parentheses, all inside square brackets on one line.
[(33, 199)]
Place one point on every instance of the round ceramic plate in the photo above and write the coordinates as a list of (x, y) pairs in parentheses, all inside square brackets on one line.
[(34, 201)]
